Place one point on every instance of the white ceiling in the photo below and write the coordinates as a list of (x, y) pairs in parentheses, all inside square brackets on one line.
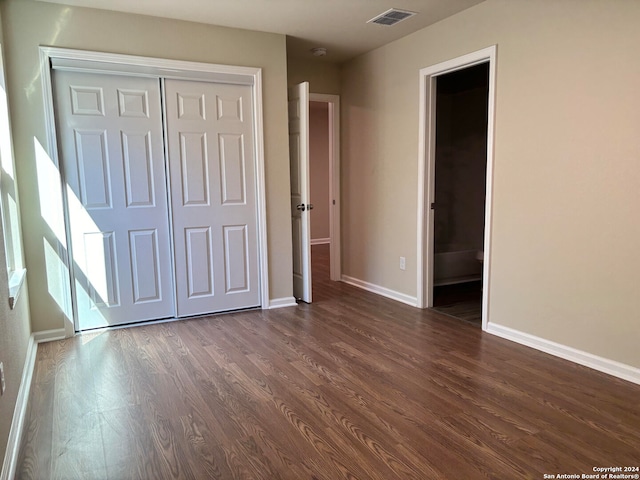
[(338, 25)]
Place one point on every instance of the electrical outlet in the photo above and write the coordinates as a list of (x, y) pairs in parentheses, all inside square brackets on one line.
[(2, 384), (403, 263)]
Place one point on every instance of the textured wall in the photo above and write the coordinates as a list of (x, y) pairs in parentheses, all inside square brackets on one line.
[(29, 24), (565, 260), (323, 76)]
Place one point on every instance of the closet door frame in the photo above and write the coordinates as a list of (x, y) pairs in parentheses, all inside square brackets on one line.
[(97, 62)]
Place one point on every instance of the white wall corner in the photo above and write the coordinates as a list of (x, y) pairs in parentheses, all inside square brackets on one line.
[(282, 302), (605, 365), (10, 462), (377, 289)]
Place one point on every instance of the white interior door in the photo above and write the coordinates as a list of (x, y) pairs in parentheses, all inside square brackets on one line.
[(213, 176), (299, 164), (111, 148)]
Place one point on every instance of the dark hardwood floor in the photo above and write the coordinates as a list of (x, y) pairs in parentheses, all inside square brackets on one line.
[(462, 300), (354, 386)]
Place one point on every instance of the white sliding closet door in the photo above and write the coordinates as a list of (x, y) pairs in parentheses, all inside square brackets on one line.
[(213, 181), (111, 149)]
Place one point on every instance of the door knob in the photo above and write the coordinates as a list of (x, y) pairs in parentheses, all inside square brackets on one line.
[(310, 206), (301, 207)]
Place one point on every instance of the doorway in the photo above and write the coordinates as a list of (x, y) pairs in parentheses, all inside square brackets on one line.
[(460, 172), (314, 118), (320, 194), (455, 185)]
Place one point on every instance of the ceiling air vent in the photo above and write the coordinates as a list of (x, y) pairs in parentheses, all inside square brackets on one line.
[(391, 17)]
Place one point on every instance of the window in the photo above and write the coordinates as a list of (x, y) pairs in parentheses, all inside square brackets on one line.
[(9, 198)]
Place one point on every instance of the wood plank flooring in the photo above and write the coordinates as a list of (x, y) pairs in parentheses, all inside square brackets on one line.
[(354, 386)]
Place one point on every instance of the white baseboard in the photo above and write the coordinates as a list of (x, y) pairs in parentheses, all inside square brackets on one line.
[(385, 292), (10, 463), (611, 367), (49, 335), (282, 302), (320, 241)]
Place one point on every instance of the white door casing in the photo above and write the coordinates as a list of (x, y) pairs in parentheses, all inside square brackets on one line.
[(111, 145), (426, 174), (299, 171), (212, 169)]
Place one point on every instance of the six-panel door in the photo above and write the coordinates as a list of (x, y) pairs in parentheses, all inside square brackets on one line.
[(213, 196), (110, 132), (111, 151)]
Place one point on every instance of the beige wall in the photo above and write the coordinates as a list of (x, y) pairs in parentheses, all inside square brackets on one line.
[(565, 259), (319, 169), (323, 76), (29, 24), (14, 334)]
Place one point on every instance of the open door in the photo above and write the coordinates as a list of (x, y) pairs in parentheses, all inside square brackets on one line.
[(300, 206)]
